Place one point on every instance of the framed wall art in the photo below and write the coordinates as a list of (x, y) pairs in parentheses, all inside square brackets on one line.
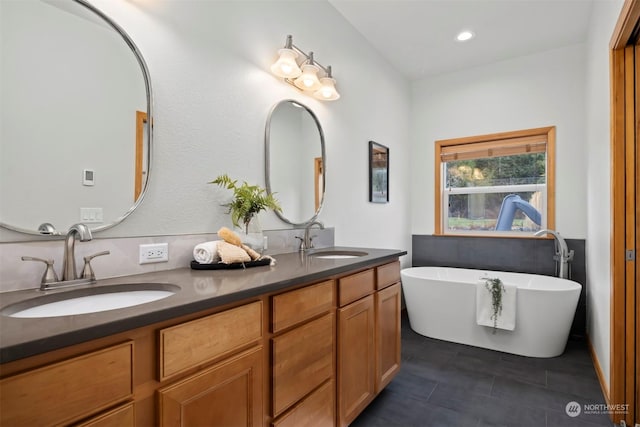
[(378, 173)]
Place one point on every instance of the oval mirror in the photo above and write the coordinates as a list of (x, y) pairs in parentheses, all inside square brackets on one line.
[(295, 161), (75, 140)]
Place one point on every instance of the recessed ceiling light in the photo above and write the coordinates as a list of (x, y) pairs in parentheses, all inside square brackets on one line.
[(465, 35)]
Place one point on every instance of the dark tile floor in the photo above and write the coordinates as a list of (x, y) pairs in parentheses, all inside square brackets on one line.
[(443, 384)]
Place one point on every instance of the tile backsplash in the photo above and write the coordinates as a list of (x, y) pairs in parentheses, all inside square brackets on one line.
[(16, 274)]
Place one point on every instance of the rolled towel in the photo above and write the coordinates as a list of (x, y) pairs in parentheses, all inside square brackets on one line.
[(207, 252), (230, 254)]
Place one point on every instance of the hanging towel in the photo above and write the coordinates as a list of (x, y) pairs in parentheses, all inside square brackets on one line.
[(484, 307), (207, 252)]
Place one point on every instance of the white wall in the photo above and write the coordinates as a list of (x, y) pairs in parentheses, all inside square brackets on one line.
[(603, 19), (209, 63), (532, 91)]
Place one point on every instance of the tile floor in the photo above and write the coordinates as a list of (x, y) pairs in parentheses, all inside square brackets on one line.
[(443, 384)]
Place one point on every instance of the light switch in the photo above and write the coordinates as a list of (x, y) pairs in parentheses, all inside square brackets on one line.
[(91, 215)]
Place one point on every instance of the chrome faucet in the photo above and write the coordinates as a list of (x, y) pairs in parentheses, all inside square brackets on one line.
[(76, 232), (563, 255), (306, 242), (69, 273)]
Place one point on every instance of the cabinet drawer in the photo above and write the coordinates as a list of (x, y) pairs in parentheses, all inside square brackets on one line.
[(387, 275), (317, 410), (302, 360), (356, 286), (69, 390), (291, 308), (122, 416), (190, 344)]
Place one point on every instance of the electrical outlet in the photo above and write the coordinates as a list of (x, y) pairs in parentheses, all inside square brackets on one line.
[(155, 252)]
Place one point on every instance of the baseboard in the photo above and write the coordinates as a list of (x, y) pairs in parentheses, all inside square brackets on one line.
[(601, 378)]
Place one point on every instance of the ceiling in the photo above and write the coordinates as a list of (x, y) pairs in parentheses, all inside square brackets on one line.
[(418, 36)]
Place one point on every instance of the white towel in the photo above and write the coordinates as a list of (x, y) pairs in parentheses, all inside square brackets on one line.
[(207, 252), (484, 307)]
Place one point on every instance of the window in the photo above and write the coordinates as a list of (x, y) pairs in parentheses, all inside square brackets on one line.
[(496, 184)]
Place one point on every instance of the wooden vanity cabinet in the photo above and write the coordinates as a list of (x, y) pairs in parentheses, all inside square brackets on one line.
[(308, 356), (303, 356), (368, 337)]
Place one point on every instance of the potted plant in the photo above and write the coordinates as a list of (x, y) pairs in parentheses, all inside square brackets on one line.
[(248, 201)]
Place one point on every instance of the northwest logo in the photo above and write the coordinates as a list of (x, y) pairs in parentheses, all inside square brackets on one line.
[(573, 409)]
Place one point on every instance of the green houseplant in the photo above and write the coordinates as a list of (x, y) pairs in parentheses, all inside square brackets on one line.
[(248, 201)]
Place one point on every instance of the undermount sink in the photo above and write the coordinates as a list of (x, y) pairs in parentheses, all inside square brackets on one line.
[(337, 254), (90, 300)]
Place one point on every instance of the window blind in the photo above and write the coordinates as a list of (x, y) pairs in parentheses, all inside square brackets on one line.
[(498, 148)]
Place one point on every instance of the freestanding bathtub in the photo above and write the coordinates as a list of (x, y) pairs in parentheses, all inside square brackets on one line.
[(441, 303)]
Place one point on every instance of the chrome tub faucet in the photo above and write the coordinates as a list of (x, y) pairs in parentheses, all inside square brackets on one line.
[(563, 255)]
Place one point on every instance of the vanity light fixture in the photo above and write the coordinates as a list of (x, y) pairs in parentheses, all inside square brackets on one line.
[(304, 75)]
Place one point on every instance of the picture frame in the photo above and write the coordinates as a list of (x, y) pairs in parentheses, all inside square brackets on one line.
[(378, 173)]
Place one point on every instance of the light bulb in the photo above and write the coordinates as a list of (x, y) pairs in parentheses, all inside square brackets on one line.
[(463, 36), (286, 65), (309, 78), (327, 91)]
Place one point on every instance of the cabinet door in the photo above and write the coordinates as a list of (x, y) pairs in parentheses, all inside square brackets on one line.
[(229, 393), (356, 358), (387, 335)]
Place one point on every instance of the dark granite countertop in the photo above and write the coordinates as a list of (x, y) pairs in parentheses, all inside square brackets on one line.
[(199, 290)]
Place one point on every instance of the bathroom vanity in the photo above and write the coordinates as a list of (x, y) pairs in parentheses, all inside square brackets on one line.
[(308, 342)]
